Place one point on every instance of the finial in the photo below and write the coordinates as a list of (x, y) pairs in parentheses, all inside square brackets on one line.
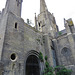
[(35, 14), (64, 19)]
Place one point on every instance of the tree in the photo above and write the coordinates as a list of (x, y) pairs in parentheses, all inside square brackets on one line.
[(29, 22)]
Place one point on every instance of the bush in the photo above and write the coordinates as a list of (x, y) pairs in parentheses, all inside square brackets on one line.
[(64, 71), (60, 70)]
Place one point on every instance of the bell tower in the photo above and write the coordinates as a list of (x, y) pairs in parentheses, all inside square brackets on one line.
[(46, 20), (14, 6)]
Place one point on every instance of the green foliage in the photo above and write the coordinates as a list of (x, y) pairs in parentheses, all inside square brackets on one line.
[(60, 70), (29, 21), (41, 56), (48, 69), (38, 40), (46, 64), (59, 33), (64, 71), (46, 58)]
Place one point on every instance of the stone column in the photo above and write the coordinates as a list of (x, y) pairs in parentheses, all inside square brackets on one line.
[(48, 50)]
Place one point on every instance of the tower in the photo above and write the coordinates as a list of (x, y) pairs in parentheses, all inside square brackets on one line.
[(46, 20), (70, 32), (14, 6)]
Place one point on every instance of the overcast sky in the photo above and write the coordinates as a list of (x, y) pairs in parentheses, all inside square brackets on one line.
[(60, 8)]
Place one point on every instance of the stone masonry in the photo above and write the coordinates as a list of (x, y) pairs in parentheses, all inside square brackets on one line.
[(20, 43)]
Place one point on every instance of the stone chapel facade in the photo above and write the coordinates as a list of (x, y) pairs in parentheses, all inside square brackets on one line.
[(20, 43)]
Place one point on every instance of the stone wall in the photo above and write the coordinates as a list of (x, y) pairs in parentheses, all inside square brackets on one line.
[(1, 68), (64, 52), (18, 42)]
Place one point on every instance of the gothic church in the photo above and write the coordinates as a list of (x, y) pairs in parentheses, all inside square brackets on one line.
[(20, 43)]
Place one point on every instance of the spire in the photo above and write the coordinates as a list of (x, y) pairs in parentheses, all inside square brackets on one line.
[(43, 6)]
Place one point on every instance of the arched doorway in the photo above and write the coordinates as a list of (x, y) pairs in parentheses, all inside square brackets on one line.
[(32, 65)]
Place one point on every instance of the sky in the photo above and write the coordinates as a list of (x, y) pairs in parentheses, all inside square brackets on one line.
[(60, 8)]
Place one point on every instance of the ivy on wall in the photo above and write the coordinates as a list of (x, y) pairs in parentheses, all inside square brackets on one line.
[(49, 70), (41, 56)]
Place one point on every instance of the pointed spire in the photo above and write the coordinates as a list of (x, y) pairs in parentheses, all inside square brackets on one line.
[(43, 6)]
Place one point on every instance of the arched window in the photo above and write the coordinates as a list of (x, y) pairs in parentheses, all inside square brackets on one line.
[(66, 51), (32, 65), (66, 56), (39, 25), (16, 25)]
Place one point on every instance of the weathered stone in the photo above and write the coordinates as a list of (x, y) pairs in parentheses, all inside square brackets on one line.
[(20, 43)]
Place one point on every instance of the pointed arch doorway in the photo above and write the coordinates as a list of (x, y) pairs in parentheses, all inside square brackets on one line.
[(32, 65)]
